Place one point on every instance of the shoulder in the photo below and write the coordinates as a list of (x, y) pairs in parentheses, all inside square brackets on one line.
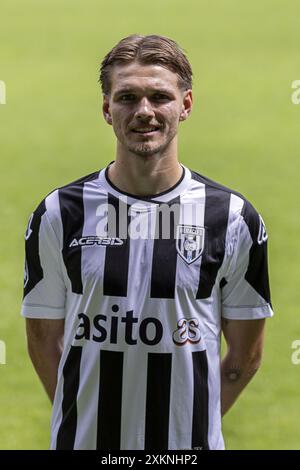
[(220, 189), (80, 181), (67, 190), (68, 195), (237, 202), (236, 211)]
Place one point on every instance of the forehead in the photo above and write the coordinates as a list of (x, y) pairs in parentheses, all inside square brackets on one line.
[(135, 75)]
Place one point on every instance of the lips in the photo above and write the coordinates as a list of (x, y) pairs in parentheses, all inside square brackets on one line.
[(145, 130)]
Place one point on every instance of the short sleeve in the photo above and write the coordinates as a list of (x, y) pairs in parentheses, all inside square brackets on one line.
[(44, 287), (246, 293)]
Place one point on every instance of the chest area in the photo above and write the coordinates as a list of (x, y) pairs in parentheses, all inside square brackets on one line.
[(144, 251)]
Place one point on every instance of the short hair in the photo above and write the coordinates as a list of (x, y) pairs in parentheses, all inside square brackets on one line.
[(152, 49)]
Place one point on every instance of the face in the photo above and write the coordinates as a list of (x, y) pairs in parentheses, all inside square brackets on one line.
[(144, 107)]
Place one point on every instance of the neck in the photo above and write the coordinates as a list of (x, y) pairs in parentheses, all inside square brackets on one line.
[(145, 176)]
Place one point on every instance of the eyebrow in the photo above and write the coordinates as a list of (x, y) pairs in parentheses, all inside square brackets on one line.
[(132, 90)]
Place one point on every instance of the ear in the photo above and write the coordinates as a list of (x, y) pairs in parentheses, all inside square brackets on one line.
[(106, 110), (186, 105)]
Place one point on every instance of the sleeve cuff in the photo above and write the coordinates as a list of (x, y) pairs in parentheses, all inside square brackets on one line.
[(42, 311), (247, 312)]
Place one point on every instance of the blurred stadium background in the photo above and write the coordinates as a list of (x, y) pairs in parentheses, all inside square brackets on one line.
[(243, 132)]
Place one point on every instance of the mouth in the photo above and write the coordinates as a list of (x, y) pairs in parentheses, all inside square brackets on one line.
[(146, 131)]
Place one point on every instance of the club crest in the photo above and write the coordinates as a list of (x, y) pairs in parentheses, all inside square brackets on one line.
[(190, 242)]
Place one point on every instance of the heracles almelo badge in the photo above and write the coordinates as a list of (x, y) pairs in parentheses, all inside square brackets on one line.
[(190, 242)]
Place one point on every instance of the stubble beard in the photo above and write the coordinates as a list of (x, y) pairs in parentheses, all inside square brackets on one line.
[(144, 149)]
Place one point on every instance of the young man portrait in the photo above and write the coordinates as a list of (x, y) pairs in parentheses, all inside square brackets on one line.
[(134, 271)]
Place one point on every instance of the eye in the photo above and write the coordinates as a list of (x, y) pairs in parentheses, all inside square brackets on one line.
[(127, 97), (160, 97)]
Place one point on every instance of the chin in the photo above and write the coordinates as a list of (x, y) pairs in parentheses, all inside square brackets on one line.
[(145, 152), (147, 149)]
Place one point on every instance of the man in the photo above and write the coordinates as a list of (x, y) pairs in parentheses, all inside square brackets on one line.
[(133, 271)]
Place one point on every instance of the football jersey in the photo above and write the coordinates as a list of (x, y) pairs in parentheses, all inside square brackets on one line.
[(142, 302)]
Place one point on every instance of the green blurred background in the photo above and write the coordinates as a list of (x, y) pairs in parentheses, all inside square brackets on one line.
[(243, 132)]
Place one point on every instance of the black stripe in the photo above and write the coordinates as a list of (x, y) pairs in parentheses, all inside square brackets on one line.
[(34, 271), (71, 373), (213, 184), (115, 276), (216, 214), (200, 405), (164, 260), (257, 272), (72, 216), (223, 283), (158, 401), (110, 401)]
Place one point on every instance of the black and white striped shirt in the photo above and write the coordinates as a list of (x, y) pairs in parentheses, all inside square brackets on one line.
[(140, 367)]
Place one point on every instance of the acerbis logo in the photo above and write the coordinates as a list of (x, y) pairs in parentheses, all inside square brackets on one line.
[(92, 240), (187, 331)]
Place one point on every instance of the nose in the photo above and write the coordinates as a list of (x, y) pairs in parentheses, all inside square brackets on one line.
[(144, 109)]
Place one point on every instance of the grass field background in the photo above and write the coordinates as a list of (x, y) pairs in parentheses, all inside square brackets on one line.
[(243, 132)]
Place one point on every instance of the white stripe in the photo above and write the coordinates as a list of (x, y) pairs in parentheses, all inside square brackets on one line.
[(181, 400), (192, 210), (87, 399), (134, 400), (215, 438), (235, 207)]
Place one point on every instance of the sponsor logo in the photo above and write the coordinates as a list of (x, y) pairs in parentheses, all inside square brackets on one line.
[(187, 332), (190, 242), (114, 328), (92, 240), (262, 234), (106, 328)]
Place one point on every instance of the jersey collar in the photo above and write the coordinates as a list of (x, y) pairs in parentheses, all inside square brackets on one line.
[(165, 196)]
